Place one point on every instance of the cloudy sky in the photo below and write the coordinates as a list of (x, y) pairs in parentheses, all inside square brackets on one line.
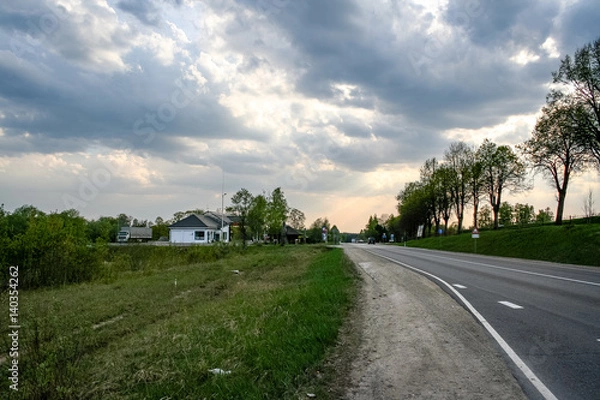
[(142, 107)]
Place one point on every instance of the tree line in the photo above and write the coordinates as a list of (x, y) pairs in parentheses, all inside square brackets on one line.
[(60, 248), (564, 142), (269, 216)]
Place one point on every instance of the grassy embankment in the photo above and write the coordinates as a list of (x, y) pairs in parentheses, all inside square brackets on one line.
[(157, 333), (571, 244)]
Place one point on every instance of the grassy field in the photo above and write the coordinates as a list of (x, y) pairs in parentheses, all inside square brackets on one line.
[(572, 244), (158, 333)]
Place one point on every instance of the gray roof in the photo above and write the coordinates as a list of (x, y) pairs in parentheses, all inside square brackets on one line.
[(195, 221), (209, 220)]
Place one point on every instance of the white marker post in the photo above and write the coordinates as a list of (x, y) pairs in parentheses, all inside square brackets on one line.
[(475, 236)]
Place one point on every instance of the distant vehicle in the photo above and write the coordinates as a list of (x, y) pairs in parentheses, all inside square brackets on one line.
[(134, 233), (371, 240)]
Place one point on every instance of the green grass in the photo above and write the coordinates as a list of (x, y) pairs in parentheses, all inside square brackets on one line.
[(571, 244), (143, 336)]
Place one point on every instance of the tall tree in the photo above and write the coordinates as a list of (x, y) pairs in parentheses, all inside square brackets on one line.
[(429, 185), (477, 186), (502, 170), (581, 76), (460, 158), (442, 180), (277, 213), (412, 208), (241, 202), (257, 216), (555, 148)]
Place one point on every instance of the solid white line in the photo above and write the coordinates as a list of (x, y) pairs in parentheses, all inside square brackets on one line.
[(456, 285), (535, 381), (511, 305)]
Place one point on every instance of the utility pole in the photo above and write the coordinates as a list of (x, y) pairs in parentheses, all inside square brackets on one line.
[(223, 194)]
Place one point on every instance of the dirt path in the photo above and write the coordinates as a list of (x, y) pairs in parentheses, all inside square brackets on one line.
[(415, 342)]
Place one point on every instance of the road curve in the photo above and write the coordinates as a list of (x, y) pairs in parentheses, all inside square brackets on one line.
[(548, 314)]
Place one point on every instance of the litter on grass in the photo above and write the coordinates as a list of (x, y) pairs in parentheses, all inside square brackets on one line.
[(219, 371)]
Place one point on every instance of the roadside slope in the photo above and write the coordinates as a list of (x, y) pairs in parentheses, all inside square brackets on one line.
[(418, 343)]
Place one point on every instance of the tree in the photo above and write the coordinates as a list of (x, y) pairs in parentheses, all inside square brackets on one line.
[(501, 169), (430, 188), (581, 76), (505, 214), (103, 229), (160, 229), (588, 205), (315, 232), (476, 185), (257, 216), (523, 214), (460, 158), (544, 216), (296, 219), (334, 234), (485, 217), (413, 209), (555, 148), (241, 204), (277, 213), (442, 181), (374, 228)]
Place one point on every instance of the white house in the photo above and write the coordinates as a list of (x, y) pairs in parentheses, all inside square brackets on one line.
[(201, 229)]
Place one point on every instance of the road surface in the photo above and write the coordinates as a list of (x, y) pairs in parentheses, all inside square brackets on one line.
[(548, 314)]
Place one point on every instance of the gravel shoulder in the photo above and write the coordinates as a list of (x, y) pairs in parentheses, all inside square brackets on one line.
[(409, 339)]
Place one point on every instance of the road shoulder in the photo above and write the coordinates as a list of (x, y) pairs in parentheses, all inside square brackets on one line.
[(413, 341)]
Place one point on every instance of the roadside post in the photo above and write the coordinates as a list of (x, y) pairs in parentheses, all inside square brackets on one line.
[(475, 236)]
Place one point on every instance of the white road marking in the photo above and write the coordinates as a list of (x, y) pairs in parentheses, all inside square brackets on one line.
[(511, 305), (529, 374), (456, 285)]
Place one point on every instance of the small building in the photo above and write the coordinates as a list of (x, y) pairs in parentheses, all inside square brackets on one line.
[(292, 235), (201, 229)]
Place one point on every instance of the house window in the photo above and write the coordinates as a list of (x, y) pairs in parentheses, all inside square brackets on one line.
[(199, 235), (224, 236)]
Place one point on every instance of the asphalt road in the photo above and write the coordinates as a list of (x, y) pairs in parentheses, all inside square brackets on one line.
[(547, 314)]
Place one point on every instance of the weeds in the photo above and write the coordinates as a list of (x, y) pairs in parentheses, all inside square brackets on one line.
[(155, 327)]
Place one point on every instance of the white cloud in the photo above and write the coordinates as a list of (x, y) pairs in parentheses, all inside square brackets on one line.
[(513, 130), (550, 47), (524, 57)]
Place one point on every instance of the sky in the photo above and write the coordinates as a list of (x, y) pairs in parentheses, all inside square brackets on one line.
[(149, 107)]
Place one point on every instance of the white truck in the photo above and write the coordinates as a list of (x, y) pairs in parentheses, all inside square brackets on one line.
[(134, 233)]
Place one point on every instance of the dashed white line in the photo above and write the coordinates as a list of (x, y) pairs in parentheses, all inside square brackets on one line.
[(511, 305), (456, 285)]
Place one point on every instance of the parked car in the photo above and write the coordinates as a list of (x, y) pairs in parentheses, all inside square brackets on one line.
[(371, 240)]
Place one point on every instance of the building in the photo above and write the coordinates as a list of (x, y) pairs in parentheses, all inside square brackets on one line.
[(202, 229)]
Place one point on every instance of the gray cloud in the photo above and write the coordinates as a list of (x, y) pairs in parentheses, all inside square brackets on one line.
[(388, 79), (143, 10)]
